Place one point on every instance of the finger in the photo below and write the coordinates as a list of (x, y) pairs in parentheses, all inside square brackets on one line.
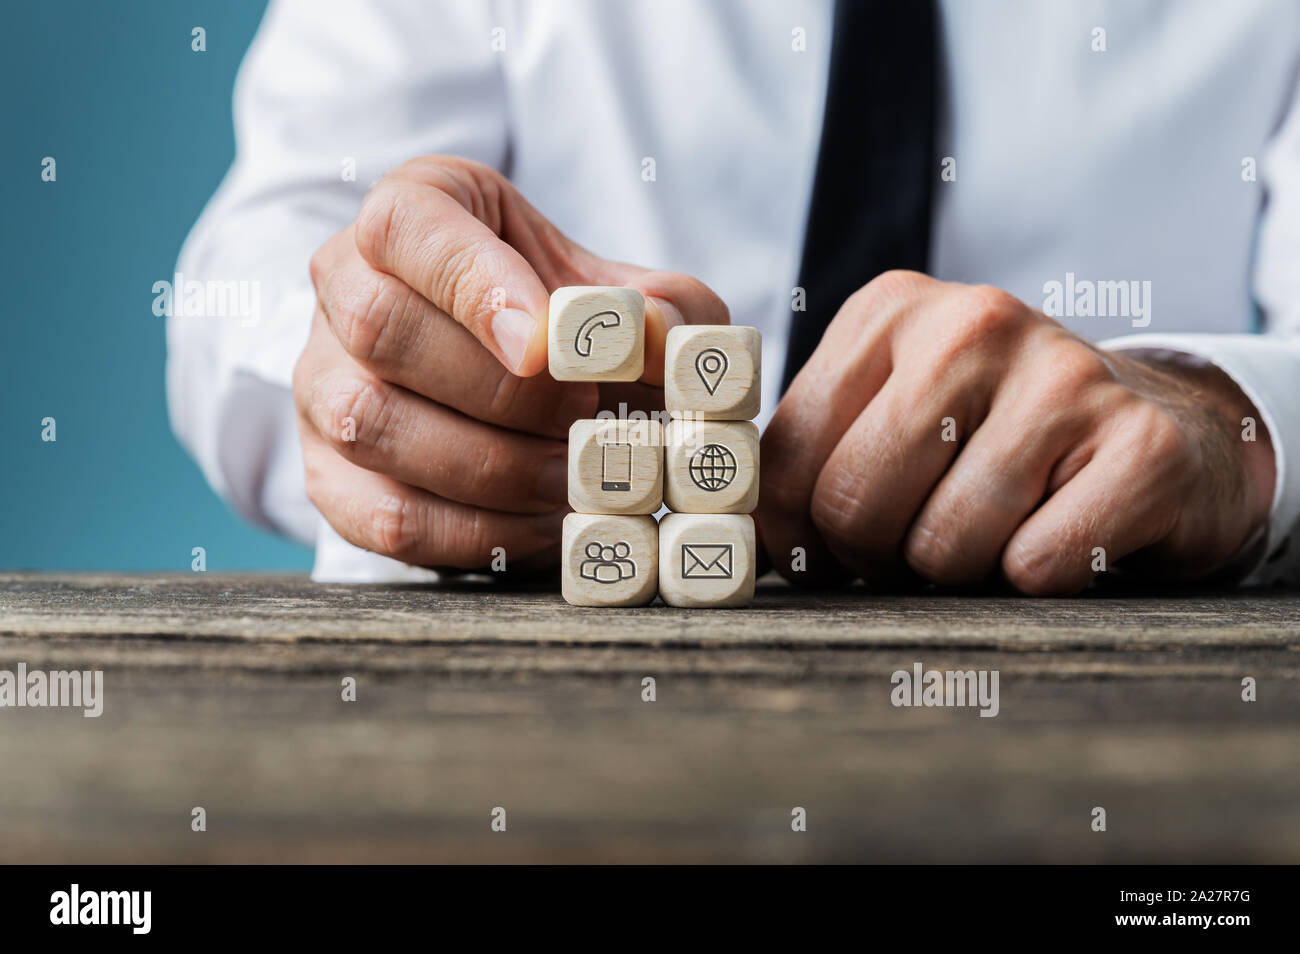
[(658, 314), (624, 398), (392, 431), (378, 513), (435, 244), (671, 299), (540, 566), (845, 372), (462, 230), (997, 480), (1114, 506), (396, 334), (1037, 430), (883, 469)]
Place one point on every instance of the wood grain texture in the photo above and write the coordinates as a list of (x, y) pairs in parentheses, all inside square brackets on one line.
[(596, 334), (616, 466), (291, 608), (713, 372), (711, 466), (224, 691)]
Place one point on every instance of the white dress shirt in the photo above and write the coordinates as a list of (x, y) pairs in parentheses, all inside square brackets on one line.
[(1100, 142)]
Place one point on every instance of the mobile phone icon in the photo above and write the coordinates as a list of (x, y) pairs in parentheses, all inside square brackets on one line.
[(616, 467)]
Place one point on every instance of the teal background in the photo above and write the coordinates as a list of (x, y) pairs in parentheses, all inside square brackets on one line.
[(140, 127)]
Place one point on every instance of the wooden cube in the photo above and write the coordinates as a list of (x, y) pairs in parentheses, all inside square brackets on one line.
[(711, 466), (596, 334), (706, 559), (616, 466), (713, 372), (610, 560)]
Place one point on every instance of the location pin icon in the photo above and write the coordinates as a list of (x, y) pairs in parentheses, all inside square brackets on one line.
[(711, 366)]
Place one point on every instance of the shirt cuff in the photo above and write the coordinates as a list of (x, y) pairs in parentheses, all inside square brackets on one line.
[(338, 561), (1267, 369)]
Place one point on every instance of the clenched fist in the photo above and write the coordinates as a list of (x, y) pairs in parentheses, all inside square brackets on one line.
[(954, 433)]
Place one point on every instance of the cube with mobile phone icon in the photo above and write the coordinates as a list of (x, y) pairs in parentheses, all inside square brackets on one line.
[(616, 466), (595, 333)]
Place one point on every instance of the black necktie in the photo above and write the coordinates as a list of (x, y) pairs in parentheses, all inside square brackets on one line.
[(870, 208)]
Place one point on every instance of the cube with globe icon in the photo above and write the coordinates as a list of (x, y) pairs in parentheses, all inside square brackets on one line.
[(711, 466)]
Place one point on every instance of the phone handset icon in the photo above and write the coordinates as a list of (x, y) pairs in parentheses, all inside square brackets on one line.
[(601, 319)]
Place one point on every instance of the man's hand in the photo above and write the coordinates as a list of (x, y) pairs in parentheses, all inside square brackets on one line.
[(953, 431), (430, 431)]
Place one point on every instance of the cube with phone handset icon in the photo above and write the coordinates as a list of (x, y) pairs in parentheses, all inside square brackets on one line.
[(596, 334)]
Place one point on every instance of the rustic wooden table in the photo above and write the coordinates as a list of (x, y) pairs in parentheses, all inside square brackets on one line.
[(224, 692)]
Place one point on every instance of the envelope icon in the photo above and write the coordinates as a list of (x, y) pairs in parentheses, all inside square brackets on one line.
[(706, 561)]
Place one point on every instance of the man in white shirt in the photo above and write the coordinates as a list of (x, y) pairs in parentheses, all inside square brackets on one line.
[(1120, 165)]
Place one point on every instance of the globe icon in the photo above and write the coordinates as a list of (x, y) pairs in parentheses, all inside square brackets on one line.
[(713, 467)]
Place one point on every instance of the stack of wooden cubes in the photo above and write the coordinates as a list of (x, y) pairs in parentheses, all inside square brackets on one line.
[(703, 465)]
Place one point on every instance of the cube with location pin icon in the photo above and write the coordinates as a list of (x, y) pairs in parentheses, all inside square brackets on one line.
[(713, 372)]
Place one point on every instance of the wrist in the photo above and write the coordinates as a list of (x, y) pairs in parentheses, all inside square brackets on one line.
[(1243, 429)]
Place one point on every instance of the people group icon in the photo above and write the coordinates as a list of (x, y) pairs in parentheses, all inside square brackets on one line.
[(607, 564)]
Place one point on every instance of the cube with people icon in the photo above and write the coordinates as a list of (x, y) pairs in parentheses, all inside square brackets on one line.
[(610, 559)]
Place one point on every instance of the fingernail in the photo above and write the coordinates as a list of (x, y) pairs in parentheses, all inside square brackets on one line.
[(553, 480), (513, 331), (672, 317)]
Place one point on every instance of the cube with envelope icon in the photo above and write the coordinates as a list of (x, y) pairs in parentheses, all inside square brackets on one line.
[(706, 559)]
